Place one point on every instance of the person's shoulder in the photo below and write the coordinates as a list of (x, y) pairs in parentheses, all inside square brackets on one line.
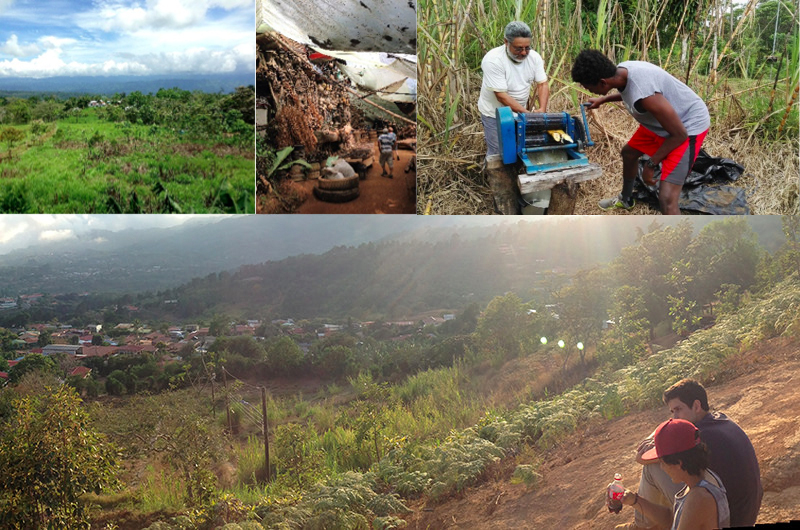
[(718, 424), (494, 54), (700, 498)]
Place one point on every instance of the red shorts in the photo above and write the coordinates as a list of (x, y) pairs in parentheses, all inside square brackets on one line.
[(676, 167)]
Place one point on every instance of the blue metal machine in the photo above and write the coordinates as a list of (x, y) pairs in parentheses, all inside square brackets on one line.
[(527, 133)]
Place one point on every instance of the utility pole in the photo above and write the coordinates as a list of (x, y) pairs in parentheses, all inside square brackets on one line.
[(266, 431), (227, 399)]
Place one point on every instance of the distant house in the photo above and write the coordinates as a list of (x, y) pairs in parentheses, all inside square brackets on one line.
[(81, 371), (4, 376), (434, 321), (98, 351), (69, 349), (135, 349), (8, 303), (242, 329)]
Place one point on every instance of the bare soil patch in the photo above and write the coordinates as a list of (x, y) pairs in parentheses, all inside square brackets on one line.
[(377, 194)]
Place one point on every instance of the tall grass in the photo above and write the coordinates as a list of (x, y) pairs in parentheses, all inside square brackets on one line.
[(88, 165), (161, 490), (699, 46)]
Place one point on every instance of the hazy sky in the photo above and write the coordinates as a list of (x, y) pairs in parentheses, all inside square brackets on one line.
[(21, 231), (45, 38)]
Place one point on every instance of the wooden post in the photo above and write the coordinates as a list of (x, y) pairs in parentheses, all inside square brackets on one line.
[(227, 399), (266, 431), (213, 397)]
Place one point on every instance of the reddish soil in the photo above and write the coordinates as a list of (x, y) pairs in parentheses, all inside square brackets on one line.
[(760, 390), (376, 194)]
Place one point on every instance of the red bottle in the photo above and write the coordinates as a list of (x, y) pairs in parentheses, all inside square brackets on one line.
[(614, 494)]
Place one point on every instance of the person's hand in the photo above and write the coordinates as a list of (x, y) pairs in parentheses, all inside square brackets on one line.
[(644, 446), (629, 498), (595, 103), (648, 175)]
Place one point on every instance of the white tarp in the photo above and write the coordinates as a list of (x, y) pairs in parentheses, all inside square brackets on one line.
[(392, 77), (344, 25)]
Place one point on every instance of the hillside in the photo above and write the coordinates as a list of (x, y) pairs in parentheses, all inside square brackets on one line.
[(431, 268), (758, 390)]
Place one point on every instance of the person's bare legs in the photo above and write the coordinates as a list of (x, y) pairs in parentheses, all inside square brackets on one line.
[(668, 195), (630, 169), (655, 486)]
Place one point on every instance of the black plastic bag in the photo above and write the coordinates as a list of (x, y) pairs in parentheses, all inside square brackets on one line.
[(706, 189)]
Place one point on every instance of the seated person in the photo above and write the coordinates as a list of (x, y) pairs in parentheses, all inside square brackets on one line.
[(701, 504)]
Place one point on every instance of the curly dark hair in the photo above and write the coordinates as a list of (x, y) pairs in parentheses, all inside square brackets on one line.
[(591, 66), (694, 461)]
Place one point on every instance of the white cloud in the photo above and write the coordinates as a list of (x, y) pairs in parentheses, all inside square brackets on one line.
[(56, 235), (195, 60), (5, 4), (54, 43), (155, 14), (14, 48), (149, 37)]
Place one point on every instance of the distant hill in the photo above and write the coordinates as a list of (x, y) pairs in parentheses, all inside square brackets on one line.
[(308, 266), (110, 85)]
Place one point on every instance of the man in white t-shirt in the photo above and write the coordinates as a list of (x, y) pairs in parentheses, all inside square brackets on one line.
[(509, 72)]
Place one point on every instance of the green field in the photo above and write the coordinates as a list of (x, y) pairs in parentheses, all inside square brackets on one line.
[(161, 157)]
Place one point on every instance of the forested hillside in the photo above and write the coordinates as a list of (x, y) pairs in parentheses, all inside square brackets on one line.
[(390, 279)]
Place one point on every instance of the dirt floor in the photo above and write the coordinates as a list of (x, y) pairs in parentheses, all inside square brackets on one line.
[(759, 390), (377, 194)]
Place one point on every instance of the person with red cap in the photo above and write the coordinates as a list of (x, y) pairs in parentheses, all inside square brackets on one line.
[(732, 458), (701, 503)]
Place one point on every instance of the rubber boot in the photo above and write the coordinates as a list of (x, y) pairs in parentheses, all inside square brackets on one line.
[(504, 187)]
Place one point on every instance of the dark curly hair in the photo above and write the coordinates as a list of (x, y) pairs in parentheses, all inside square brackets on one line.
[(591, 66), (694, 461)]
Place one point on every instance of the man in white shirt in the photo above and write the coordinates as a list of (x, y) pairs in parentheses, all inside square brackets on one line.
[(509, 72)]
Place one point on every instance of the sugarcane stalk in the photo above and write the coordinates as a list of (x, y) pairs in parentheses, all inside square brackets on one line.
[(789, 108)]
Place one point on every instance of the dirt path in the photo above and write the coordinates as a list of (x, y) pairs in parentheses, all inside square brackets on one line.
[(377, 194), (760, 391)]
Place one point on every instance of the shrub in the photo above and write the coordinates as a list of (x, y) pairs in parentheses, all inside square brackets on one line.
[(50, 457)]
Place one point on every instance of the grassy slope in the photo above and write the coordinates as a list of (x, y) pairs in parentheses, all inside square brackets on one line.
[(63, 174)]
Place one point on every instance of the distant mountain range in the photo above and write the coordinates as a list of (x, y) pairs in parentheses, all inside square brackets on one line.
[(99, 85), (327, 251)]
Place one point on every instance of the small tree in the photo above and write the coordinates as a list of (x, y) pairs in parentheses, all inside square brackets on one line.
[(34, 362), (11, 135), (50, 457)]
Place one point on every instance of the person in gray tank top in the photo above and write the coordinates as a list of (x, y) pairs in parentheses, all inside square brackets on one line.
[(673, 122), (702, 503)]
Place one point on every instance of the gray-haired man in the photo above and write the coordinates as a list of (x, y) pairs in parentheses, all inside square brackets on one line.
[(509, 72)]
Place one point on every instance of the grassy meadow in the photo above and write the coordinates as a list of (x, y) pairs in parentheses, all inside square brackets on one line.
[(85, 161), (734, 56)]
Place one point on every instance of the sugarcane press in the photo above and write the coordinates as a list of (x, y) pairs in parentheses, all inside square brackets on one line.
[(547, 149), (524, 134)]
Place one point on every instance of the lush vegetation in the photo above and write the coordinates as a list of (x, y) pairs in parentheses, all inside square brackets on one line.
[(171, 152), (393, 420)]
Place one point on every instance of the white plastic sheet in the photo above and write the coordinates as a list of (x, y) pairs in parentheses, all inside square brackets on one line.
[(343, 25)]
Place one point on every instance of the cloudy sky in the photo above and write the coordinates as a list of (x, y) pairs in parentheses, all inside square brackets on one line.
[(45, 38), (22, 231)]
